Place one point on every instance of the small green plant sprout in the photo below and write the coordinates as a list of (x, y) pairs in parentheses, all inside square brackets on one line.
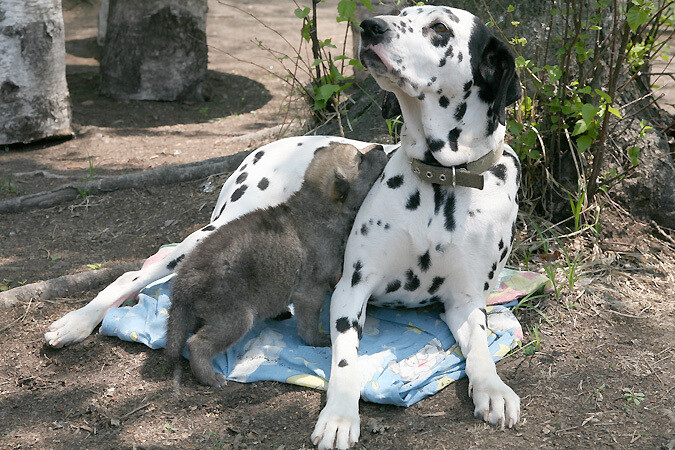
[(168, 427), (95, 266), (84, 193), (6, 184), (632, 398), (534, 345), (597, 393), (393, 125)]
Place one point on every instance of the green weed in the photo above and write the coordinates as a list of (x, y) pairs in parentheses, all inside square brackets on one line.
[(632, 398)]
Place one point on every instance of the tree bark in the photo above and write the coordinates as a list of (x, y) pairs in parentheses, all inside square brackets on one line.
[(34, 100), (155, 50), (159, 176), (65, 285)]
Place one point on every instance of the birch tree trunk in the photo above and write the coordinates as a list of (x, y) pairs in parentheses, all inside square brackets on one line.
[(34, 100), (155, 50)]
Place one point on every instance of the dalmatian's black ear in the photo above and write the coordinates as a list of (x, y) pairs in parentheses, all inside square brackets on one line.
[(340, 188), (497, 68)]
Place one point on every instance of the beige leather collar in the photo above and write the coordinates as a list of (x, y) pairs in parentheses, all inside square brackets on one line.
[(471, 177)]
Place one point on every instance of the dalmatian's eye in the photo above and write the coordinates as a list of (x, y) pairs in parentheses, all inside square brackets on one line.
[(439, 28)]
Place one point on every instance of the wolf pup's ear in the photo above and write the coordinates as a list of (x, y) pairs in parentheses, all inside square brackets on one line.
[(340, 188)]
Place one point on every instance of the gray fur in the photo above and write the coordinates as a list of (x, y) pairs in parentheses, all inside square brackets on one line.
[(255, 266)]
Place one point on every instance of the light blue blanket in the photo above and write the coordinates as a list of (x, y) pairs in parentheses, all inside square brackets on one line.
[(404, 355)]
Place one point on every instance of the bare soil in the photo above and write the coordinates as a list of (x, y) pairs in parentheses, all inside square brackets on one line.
[(603, 376)]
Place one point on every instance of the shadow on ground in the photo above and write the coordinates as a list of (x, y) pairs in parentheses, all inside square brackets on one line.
[(230, 95)]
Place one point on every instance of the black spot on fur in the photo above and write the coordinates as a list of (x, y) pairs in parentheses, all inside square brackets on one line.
[(356, 277), (358, 327), (136, 278), (172, 265), (449, 212), (386, 226), (499, 171), (208, 228), (343, 363), (435, 144), (263, 184), (436, 284), (484, 311), (412, 282), (425, 261), (441, 63), (451, 15), (439, 196), (467, 85), (257, 156), (421, 96), (413, 201), (241, 178), (443, 101), (460, 111), (486, 286), (516, 162), (482, 327), (395, 181), (342, 324), (299, 144), (236, 195), (222, 208), (453, 134), (501, 244), (506, 250), (393, 286), (441, 39)]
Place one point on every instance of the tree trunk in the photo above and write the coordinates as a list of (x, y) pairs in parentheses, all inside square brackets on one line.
[(34, 100), (155, 50)]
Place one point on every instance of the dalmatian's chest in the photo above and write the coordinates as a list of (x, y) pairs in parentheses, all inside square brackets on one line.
[(425, 238)]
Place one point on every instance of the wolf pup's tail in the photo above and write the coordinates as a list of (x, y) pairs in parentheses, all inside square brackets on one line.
[(181, 321)]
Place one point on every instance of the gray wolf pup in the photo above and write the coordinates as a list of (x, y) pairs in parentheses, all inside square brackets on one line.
[(255, 266)]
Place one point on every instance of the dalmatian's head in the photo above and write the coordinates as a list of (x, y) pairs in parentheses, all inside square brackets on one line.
[(452, 77)]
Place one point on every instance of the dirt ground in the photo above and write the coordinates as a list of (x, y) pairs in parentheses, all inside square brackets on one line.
[(600, 371)]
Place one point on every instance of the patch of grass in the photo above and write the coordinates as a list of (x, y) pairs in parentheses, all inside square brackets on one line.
[(6, 184)]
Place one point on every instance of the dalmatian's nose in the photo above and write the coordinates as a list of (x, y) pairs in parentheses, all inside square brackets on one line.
[(373, 28)]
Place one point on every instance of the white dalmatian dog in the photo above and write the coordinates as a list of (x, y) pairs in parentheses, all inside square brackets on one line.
[(439, 224), (436, 227), (265, 178)]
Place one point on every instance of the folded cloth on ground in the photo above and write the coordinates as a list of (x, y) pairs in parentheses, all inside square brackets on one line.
[(404, 355)]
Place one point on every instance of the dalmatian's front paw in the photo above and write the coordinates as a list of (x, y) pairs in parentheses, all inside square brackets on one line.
[(338, 427), (72, 328), (495, 402)]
